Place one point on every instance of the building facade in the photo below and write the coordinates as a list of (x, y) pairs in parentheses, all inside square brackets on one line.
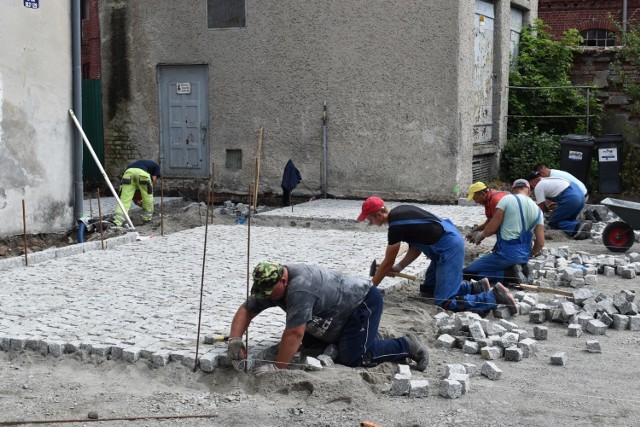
[(595, 19), (36, 164), (415, 92)]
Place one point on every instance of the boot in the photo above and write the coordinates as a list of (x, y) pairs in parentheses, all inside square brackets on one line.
[(417, 351), (503, 296), (480, 286)]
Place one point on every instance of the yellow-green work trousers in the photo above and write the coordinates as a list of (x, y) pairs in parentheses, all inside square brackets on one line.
[(132, 180)]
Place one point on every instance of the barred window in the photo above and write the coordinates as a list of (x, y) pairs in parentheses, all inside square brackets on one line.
[(598, 37), (234, 159), (226, 13)]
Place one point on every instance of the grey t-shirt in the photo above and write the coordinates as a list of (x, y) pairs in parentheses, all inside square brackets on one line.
[(323, 299)]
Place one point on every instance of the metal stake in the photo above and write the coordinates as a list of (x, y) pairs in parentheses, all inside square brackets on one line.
[(100, 221), (24, 233)]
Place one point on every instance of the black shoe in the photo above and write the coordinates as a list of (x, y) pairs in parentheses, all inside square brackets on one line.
[(504, 297), (583, 232), (427, 292), (480, 286), (417, 351), (519, 274), (588, 215)]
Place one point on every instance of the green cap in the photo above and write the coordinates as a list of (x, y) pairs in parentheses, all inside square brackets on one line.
[(266, 275)]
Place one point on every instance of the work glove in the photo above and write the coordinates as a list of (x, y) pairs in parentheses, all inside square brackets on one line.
[(397, 268), (469, 235), (477, 237), (236, 349), (264, 369)]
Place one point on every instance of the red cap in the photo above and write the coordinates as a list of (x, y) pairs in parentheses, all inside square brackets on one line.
[(369, 206)]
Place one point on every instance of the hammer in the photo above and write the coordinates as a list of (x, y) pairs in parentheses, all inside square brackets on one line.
[(374, 267)]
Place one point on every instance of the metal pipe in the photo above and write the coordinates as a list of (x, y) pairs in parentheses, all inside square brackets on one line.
[(588, 97), (624, 17), (204, 259), (99, 420), (104, 174), (325, 168), (77, 106)]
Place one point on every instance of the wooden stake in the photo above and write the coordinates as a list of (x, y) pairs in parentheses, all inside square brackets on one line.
[(24, 233), (100, 221), (161, 205)]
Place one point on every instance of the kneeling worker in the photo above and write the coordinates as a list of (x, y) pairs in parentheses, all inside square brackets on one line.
[(322, 306), (517, 219), (443, 244)]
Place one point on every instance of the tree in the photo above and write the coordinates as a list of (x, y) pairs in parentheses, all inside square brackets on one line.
[(543, 62)]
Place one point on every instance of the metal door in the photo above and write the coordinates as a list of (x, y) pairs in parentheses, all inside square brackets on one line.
[(184, 120), (92, 125), (483, 73), (515, 22)]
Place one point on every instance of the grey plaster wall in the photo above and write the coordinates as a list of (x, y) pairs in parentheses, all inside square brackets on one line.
[(35, 130), (396, 76)]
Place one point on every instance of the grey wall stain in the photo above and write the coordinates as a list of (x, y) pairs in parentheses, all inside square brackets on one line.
[(19, 164), (50, 210)]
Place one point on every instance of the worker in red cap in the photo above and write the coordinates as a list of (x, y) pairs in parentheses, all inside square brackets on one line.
[(443, 244)]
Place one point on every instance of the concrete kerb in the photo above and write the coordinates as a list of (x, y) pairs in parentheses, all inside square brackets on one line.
[(79, 248)]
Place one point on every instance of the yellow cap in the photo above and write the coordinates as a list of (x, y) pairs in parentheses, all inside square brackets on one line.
[(475, 187)]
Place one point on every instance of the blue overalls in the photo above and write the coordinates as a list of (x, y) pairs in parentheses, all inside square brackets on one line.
[(506, 253), (569, 205), (443, 278)]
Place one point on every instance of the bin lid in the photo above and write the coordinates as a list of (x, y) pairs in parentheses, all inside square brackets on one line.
[(584, 140), (609, 138)]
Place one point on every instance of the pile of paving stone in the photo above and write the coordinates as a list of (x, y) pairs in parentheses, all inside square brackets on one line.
[(501, 339), (238, 210), (559, 267)]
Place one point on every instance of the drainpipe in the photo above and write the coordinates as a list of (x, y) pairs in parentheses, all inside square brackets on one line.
[(624, 17), (77, 107)]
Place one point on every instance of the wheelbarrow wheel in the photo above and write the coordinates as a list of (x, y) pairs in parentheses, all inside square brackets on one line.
[(618, 236)]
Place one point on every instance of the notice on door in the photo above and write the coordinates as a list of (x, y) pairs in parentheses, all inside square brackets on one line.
[(608, 154), (183, 88)]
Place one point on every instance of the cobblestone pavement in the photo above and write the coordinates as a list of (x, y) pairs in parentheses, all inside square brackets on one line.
[(141, 299)]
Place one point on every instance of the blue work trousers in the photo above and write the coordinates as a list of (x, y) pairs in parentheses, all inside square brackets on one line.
[(569, 205), (359, 335)]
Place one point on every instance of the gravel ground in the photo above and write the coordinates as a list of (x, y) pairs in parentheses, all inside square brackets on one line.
[(599, 389)]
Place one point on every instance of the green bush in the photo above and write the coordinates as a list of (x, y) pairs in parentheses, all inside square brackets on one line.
[(526, 148), (544, 62), (630, 175)]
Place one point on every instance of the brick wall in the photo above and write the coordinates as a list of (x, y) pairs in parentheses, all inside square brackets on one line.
[(562, 15), (91, 41), (593, 67)]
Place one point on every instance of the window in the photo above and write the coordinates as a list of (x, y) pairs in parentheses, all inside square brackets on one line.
[(84, 9), (598, 37), (234, 159), (226, 13)]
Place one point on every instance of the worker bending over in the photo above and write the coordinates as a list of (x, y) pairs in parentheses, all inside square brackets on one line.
[(140, 175), (322, 306), (443, 244)]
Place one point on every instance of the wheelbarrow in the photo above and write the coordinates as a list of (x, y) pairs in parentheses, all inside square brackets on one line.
[(618, 236)]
